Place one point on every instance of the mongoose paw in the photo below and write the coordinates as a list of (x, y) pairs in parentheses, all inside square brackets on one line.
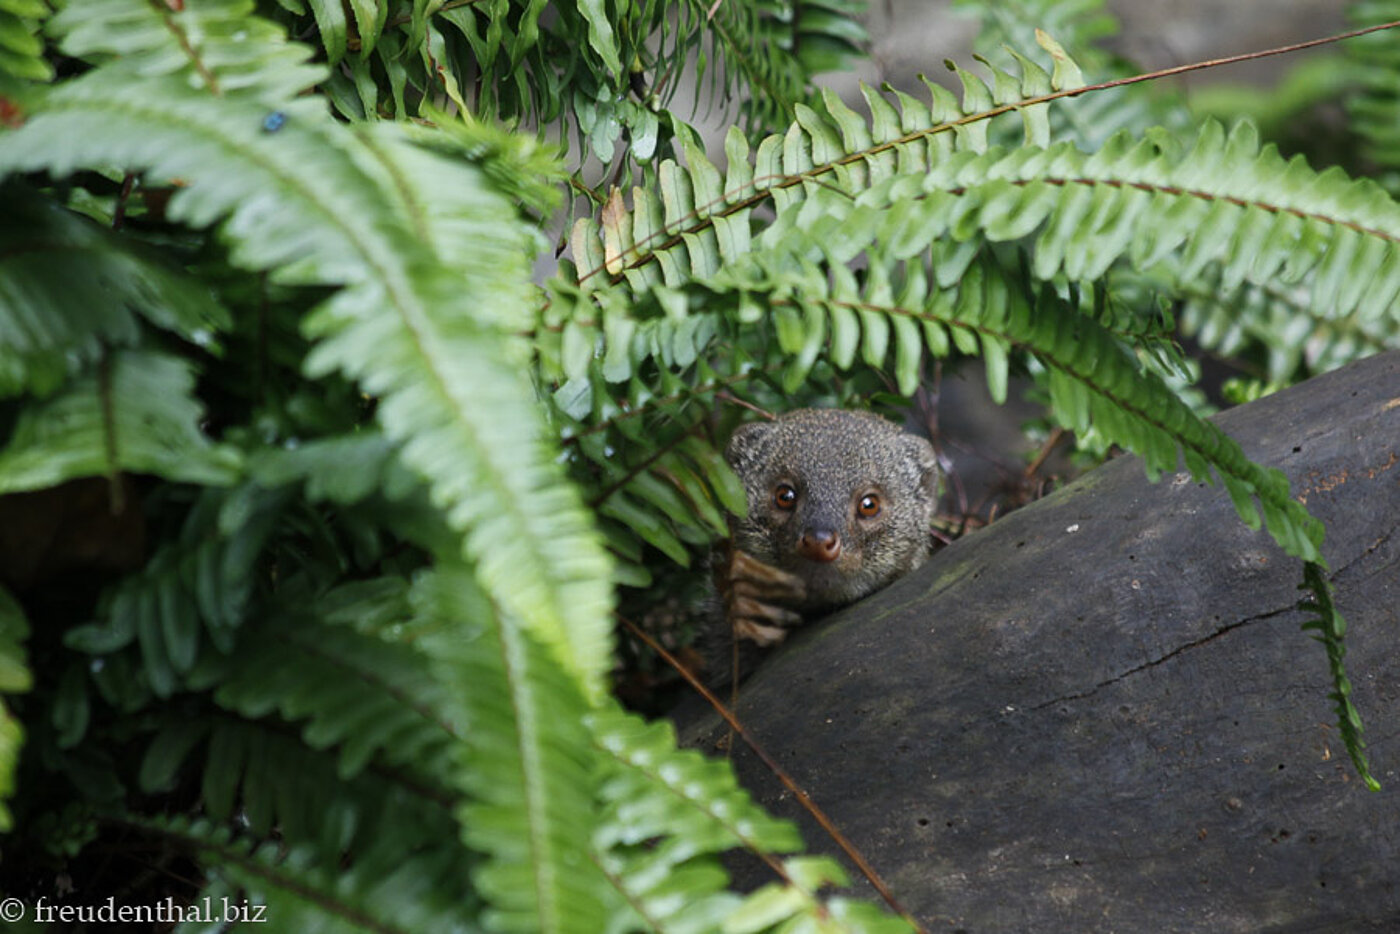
[(758, 599)]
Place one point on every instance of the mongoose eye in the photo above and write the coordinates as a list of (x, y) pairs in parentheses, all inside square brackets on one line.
[(784, 497), (869, 506)]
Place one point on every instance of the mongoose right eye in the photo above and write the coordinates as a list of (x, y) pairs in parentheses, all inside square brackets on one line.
[(784, 497)]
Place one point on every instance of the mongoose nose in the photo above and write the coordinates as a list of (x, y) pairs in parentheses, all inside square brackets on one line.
[(819, 545)]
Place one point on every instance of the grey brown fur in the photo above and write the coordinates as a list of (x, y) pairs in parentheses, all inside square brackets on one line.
[(780, 570)]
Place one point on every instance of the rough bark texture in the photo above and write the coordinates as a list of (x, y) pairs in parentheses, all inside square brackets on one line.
[(1100, 714)]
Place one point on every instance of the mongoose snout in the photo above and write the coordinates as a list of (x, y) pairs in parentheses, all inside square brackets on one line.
[(819, 545)]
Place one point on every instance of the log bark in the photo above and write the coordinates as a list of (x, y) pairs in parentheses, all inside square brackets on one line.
[(1100, 713)]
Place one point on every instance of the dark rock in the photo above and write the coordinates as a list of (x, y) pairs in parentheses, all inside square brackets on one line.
[(1100, 713)]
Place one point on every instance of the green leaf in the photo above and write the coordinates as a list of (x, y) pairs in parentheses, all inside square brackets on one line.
[(15, 678), (135, 414), (50, 317), (334, 29), (600, 34), (217, 45)]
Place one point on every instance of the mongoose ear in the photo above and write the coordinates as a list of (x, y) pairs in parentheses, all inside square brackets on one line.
[(922, 455), (745, 442)]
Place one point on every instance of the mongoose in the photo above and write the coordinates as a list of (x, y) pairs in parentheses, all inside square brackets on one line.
[(840, 505)]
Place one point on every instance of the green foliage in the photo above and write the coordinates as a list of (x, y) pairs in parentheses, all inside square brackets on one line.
[(133, 413), (21, 49), (15, 678), (1374, 58), (337, 639), (40, 245)]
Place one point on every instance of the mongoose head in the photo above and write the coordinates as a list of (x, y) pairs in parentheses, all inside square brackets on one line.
[(842, 499)]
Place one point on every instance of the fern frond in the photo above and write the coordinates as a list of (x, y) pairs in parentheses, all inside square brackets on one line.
[(15, 678), (1093, 380), (312, 203), (387, 889), (1292, 225), (1287, 223), (21, 49), (364, 696), (334, 666), (696, 220), (262, 778), (525, 770), (1329, 628), (321, 466), (136, 414), (668, 814), (1375, 105), (215, 45), (197, 587), (768, 52), (786, 906), (50, 319), (922, 225), (1276, 324)]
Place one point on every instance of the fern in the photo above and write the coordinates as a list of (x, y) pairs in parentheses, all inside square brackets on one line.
[(1294, 225), (1373, 104), (21, 49), (135, 413), (509, 60), (278, 187), (15, 678), (384, 891), (217, 47), (39, 244), (669, 812), (530, 796)]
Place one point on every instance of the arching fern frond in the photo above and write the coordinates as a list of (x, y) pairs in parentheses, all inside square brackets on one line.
[(668, 814), (193, 593), (365, 696), (769, 51), (697, 219), (1277, 325), (136, 413), (528, 791), (311, 202), (1093, 380), (215, 45), (1078, 214), (258, 775)]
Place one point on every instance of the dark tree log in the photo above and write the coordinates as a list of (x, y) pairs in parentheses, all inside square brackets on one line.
[(1100, 713)]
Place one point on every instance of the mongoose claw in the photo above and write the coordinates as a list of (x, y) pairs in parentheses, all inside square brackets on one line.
[(763, 636), (767, 614), (749, 577)]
